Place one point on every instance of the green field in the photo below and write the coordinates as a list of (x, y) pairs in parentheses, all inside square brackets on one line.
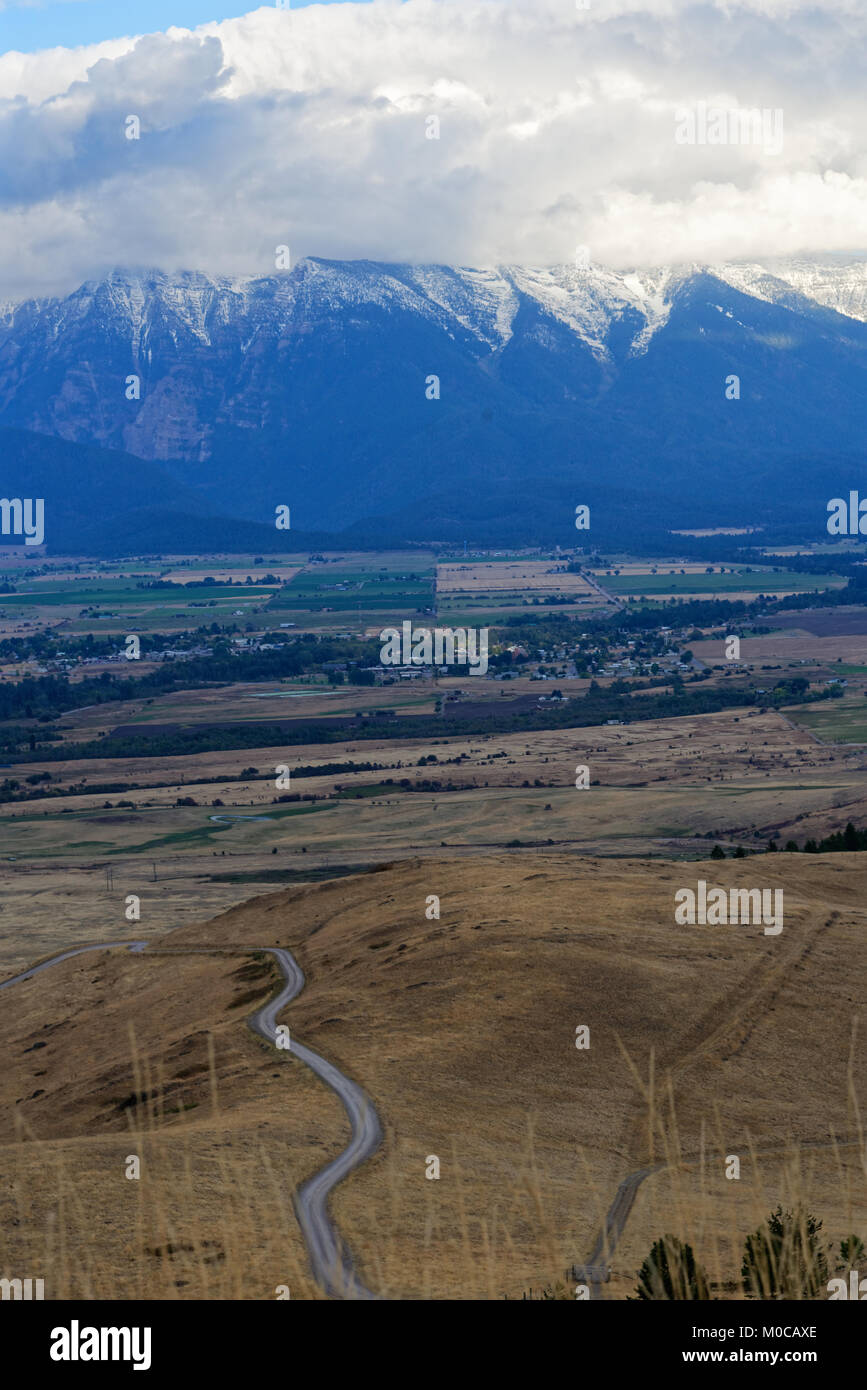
[(115, 592), (460, 613), (741, 581), (353, 590), (837, 721), (118, 605), (129, 833)]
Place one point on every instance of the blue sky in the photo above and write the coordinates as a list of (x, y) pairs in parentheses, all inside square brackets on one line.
[(29, 25)]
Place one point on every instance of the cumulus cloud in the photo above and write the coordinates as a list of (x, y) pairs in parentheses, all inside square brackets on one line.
[(557, 129)]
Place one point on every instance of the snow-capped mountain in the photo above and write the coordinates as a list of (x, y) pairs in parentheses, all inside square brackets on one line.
[(352, 390), (839, 283)]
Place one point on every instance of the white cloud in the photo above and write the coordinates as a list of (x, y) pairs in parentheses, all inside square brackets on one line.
[(557, 126)]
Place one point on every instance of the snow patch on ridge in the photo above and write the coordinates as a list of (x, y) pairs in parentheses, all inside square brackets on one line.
[(482, 301), (838, 283), (588, 299)]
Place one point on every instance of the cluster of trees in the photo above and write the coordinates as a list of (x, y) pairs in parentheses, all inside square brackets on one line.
[(208, 582), (785, 1258), (47, 697), (50, 644), (841, 840)]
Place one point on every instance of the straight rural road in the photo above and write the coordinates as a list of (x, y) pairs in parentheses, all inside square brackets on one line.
[(330, 1258)]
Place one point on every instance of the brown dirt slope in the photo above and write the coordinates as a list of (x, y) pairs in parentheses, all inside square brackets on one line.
[(462, 1030)]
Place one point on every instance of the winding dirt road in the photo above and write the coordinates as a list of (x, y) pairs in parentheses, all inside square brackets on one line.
[(330, 1257), (332, 1263), (66, 955)]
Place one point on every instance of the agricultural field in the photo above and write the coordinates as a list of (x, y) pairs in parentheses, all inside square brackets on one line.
[(790, 649), (357, 592), (324, 594), (253, 703), (513, 576), (843, 722), (846, 620), (485, 592), (117, 606), (694, 581)]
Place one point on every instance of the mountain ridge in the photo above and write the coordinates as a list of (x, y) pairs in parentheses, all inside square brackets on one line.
[(356, 390)]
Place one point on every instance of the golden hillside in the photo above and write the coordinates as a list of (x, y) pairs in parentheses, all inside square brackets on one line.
[(718, 1040)]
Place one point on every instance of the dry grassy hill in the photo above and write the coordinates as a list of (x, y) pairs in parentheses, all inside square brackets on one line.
[(704, 1042)]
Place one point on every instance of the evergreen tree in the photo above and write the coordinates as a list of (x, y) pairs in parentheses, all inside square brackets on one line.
[(784, 1258), (671, 1272)]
